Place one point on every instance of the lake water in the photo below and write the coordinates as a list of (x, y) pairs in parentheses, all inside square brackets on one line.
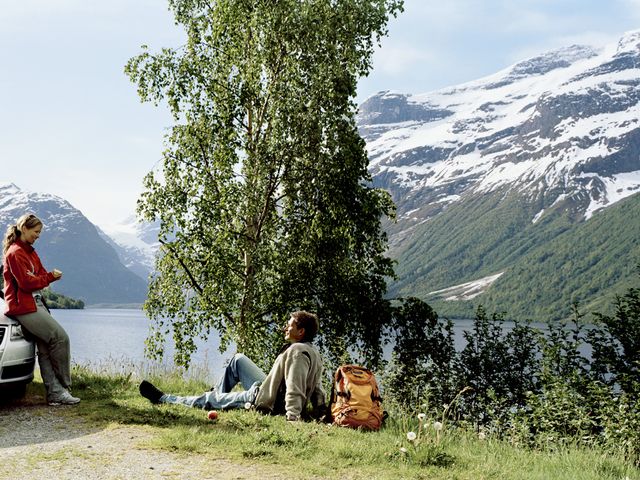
[(116, 337), (108, 337), (98, 335)]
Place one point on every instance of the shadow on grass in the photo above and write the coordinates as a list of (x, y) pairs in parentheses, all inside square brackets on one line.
[(116, 399), (106, 400), (29, 420)]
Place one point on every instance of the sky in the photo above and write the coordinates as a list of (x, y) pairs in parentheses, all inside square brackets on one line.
[(72, 125)]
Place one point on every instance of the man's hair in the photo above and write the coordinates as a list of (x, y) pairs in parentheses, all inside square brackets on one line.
[(308, 321)]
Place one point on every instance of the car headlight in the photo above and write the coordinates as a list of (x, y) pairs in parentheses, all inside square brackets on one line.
[(16, 332)]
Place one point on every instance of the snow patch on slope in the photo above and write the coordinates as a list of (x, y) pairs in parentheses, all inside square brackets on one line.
[(617, 187), (466, 291)]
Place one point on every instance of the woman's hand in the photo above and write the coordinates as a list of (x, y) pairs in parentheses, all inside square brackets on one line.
[(56, 273)]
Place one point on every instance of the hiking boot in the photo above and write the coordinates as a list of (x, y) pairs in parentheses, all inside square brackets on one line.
[(65, 398), (150, 392)]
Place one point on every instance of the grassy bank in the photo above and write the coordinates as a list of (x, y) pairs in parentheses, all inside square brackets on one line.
[(310, 450)]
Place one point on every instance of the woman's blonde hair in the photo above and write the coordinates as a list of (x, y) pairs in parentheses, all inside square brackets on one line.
[(28, 220)]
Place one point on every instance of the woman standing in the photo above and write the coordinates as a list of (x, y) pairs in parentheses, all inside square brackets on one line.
[(24, 278)]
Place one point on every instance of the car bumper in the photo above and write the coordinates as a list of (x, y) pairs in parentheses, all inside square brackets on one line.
[(17, 360)]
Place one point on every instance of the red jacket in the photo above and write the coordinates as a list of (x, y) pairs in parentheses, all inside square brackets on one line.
[(23, 274)]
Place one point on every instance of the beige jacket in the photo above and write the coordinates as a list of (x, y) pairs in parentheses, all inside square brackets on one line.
[(300, 368)]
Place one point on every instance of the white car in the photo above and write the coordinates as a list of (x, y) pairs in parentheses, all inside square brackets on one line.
[(17, 357)]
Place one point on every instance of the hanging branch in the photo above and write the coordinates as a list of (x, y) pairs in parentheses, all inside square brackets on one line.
[(192, 280)]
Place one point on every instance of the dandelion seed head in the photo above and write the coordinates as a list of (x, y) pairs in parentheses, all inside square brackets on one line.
[(437, 426), (411, 436), (422, 416)]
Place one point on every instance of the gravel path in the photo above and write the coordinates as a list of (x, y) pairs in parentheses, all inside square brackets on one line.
[(37, 443)]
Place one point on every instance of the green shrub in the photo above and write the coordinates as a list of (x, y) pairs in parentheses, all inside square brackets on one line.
[(537, 389)]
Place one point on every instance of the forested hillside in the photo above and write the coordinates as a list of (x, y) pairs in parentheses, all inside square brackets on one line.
[(547, 265)]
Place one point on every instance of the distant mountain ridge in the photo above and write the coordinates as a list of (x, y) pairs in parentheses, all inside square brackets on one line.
[(489, 173), (92, 271), (518, 191), (136, 244)]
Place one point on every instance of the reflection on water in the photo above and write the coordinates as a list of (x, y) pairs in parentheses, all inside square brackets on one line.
[(460, 325), (99, 336)]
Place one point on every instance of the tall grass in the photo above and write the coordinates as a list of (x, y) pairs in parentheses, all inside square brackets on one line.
[(410, 445)]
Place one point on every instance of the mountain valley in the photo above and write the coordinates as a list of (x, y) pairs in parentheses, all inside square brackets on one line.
[(528, 177)]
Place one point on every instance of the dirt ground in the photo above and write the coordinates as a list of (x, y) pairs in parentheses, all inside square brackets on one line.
[(37, 443)]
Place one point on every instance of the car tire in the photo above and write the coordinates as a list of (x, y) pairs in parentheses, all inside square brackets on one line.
[(13, 392)]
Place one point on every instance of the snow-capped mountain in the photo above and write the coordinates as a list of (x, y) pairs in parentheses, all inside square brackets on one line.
[(136, 244), (70, 242), (555, 134), (555, 125)]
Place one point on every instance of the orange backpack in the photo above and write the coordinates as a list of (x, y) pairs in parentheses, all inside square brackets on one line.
[(355, 398)]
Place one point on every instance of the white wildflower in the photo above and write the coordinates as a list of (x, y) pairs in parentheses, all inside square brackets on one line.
[(403, 450), (482, 435), (411, 436), (437, 426), (422, 416)]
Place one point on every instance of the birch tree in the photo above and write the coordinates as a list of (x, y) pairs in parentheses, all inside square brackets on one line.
[(263, 194)]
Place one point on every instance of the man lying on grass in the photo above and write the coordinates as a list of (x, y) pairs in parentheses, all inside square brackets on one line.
[(294, 379)]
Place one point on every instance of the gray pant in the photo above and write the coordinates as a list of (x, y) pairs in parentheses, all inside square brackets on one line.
[(54, 351)]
